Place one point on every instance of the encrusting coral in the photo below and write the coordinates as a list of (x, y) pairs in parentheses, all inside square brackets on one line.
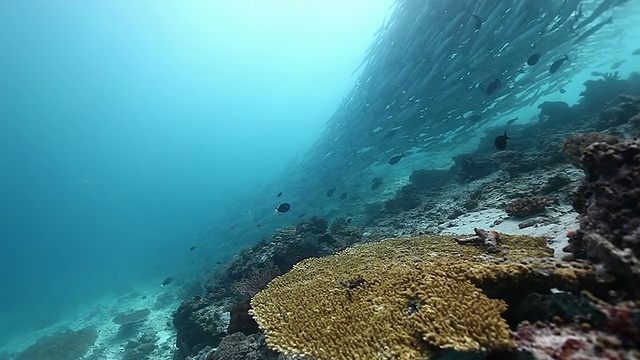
[(403, 298), (526, 206)]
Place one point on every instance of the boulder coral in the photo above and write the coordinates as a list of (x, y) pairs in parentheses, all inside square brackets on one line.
[(404, 298)]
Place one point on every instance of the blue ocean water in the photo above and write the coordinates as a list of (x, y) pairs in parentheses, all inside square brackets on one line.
[(150, 139), (127, 129)]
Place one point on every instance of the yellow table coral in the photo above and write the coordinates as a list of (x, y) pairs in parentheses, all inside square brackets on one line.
[(394, 299)]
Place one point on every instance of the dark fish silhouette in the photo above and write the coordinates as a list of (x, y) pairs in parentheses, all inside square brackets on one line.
[(375, 183), (478, 21), (511, 121), (390, 134), (501, 141), (348, 220), (279, 194), (395, 158), (596, 73), (475, 117), (343, 195), (301, 215), (556, 64), (493, 87), (562, 91), (166, 281), (283, 208), (192, 248), (330, 192), (533, 59), (636, 52), (617, 64)]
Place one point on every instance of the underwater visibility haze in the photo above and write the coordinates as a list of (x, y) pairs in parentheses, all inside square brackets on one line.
[(413, 179), (128, 128)]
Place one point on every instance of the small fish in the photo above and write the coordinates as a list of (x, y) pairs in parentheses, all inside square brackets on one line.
[(348, 220), (192, 248), (301, 215), (283, 208), (475, 117), (343, 195), (533, 59), (501, 141), (636, 52), (617, 64), (375, 183), (493, 87), (593, 30), (562, 91), (556, 64), (596, 73), (233, 226), (390, 134), (395, 158), (478, 21), (279, 194), (578, 15), (144, 297), (166, 281), (511, 121), (330, 192), (258, 225)]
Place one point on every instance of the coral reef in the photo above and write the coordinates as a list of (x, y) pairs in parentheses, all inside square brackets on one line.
[(526, 206), (571, 342), (256, 280), (242, 347), (140, 348), (609, 205), (404, 298), (63, 345), (470, 167), (315, 225), (576, 144), (240, 320), (340, 227), (199, 323), (425, 179), (599, 92), (406, 199)]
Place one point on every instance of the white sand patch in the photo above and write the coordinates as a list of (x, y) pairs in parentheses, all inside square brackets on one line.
[(556, 222)]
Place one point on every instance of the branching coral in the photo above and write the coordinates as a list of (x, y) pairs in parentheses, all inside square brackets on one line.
[(405, 299)]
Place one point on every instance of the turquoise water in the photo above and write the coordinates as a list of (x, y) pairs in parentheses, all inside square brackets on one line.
[(133, 131), (128, 129)]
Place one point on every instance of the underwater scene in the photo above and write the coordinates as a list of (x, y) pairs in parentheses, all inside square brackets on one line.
[(355, 179)]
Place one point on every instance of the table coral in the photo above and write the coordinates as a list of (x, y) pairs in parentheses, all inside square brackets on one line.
[(413, 297)]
